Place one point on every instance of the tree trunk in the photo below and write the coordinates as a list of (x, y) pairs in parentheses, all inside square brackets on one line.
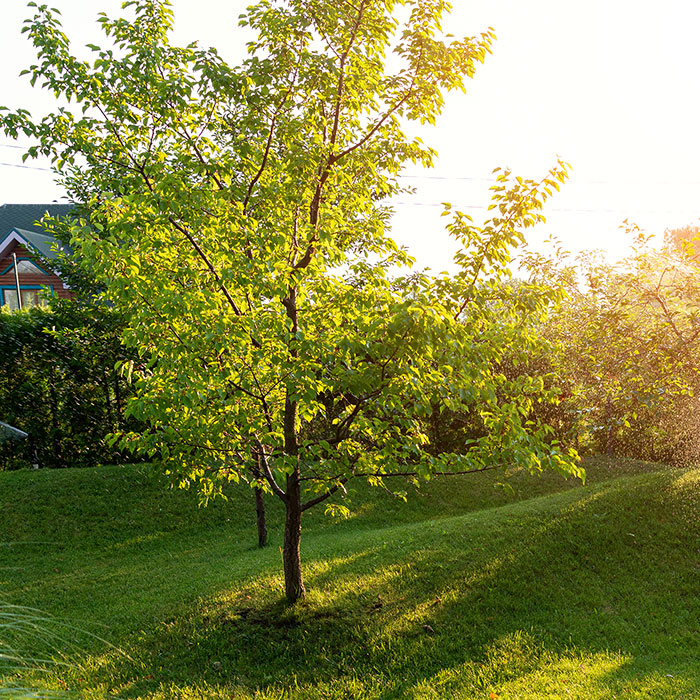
[(610, 437), (259, 503), (260, 510), (118, 401), (293, 582), (111, 425), (291, 556)]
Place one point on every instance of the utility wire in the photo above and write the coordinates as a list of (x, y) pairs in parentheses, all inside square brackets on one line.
[(456, 178), (440, 204), (26, 167), (557, 209), (468, 178), (447, 177)]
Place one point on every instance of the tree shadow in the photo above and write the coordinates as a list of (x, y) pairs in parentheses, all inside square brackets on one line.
[(472, 604)]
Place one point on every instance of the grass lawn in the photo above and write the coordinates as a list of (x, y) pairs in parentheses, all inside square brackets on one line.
[(549, 589)]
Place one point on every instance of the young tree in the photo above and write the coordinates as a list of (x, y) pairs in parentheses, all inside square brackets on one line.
[(239, 217)]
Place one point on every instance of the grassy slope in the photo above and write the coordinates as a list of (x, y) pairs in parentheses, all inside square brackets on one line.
[(549, 591)]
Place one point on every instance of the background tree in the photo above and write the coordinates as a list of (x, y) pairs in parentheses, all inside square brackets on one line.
[(239, 219), (58, 383), (684, 241), (629, 340)]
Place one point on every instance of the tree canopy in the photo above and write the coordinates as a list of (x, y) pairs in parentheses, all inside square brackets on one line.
[(628, 344), (239, 217)]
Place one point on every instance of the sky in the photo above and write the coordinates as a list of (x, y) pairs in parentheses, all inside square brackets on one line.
[(610, 86)]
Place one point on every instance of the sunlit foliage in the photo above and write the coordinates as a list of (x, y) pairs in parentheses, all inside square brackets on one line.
[(239, 216), (630, 353)]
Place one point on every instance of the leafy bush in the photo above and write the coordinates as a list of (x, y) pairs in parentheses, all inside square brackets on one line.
[(629, 351), (59, 384)]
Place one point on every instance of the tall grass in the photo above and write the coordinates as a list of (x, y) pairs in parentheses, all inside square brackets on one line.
[(22, 628), (52, 642)]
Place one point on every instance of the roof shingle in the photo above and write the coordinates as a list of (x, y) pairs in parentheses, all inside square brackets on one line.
[(25, 216), (22, 218)]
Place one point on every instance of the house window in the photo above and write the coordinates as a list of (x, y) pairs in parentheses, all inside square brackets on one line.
[(31, 296), (24, 266), (29, 266)]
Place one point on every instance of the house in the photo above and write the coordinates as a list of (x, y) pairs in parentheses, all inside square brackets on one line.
[(23, 238)]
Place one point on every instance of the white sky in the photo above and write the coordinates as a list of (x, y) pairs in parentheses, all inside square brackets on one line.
[(612, 86)]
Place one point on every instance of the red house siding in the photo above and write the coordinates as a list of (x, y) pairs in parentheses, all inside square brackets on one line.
[(29, 279)]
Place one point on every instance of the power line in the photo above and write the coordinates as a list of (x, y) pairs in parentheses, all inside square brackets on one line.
[(26, 167), (447, 177), (469, 178), (621, 212), (457, 178)]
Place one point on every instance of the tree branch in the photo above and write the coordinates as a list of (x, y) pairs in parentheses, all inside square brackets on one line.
[(325, 496), (325, 171), (268, 144), (388, 475), (177, 225), (344, 480), (267, 472)]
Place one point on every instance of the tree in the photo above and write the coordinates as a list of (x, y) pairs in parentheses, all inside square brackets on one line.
[(630, 342), (58, 383), (683, 241), (239, 217)]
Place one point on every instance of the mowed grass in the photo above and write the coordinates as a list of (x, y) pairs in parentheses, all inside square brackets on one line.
[(548, 589)]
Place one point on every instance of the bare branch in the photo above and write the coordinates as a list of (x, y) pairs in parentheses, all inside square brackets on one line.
[(268, 144), (325, 496), (267, 472)]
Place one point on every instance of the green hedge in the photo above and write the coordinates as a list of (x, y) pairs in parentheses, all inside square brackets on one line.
[(59, 384)]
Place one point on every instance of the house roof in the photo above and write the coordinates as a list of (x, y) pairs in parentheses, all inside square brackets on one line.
[(25, 216), (42, 243), (18, 222)]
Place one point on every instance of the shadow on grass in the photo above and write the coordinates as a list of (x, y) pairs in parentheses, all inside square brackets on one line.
[(587, 593), (124, 506)]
